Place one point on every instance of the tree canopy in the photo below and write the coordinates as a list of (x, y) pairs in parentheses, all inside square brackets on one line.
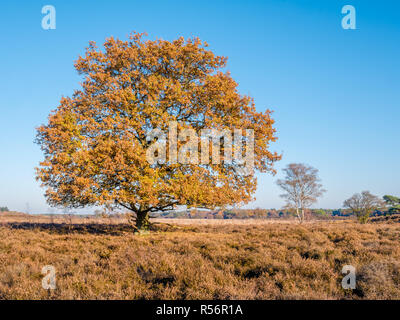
[(393, 202), (363, 204)]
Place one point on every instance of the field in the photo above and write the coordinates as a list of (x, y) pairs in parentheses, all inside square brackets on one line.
[(206, 259)]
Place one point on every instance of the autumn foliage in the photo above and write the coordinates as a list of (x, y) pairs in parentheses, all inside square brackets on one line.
[(95, 142)]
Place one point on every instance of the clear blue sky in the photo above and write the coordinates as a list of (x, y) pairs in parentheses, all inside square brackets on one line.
[(335, 93)]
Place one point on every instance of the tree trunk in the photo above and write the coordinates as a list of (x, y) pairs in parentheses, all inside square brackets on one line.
[(142, 222), (298, 214)]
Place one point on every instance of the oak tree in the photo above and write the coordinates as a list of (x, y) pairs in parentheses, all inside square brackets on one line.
[(95, 142)]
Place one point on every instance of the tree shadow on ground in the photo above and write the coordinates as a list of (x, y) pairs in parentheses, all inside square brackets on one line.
[(74, 228), (86, 228)]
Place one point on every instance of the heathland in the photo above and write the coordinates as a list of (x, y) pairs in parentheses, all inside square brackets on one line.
[(198, 259)]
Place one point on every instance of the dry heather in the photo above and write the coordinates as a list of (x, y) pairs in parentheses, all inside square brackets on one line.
[(212, 261)]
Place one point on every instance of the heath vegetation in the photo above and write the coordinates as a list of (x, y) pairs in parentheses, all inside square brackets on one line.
[(214, 259)]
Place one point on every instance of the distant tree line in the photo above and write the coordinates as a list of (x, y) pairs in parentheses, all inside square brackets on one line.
[(257, 213), (362, 206)]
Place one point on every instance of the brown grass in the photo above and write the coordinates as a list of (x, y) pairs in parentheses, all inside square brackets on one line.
[(208, 260)]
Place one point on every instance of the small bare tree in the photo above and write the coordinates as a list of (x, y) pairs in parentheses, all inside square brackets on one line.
[(302, 187), (363, 205)]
